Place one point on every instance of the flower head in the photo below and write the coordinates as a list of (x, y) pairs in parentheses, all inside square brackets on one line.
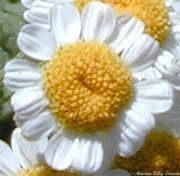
[(87, 94), (90, 75), (161, 21)]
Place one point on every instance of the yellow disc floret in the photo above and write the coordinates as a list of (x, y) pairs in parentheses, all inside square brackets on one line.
[(161, 152), (153, 13), (43, 170), (87, 85)]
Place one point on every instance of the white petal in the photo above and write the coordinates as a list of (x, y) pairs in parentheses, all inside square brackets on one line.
[(170, 122), (29, 102), (38, 13), (9, 165), (63, 1), (36, 42), (66, 23), (174, 18), (169, 66), (27, 3), (27, 152), (127, 32), (149, 74), (110, 144), (35, 127), (176, 32), (116, 172), (172, 45), (142, 53), (134, 127), (176, 5), (168, 3), (98, 21), (20, 74), (60, 151), (175, 49), (59, 1), (88, 156), (156, 95)]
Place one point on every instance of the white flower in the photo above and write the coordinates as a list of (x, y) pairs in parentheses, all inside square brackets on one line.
[(167, 65), (162, 21), (90, 99), (25, 157), (22, 156)]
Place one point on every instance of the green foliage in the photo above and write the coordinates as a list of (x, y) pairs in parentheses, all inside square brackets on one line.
[(11, 20)]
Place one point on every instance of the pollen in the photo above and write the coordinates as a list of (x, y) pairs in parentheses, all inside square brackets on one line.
[(153, 13), (43, 170), (87, 86), (161, 152)]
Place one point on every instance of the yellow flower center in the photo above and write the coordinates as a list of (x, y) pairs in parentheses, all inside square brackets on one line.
[(42, 170), (153, 13), (87, 85), (161, 152)]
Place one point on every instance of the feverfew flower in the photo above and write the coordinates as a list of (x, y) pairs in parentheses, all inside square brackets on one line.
[(23, 155), (25, 158), (85, 92), (162, 21)]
